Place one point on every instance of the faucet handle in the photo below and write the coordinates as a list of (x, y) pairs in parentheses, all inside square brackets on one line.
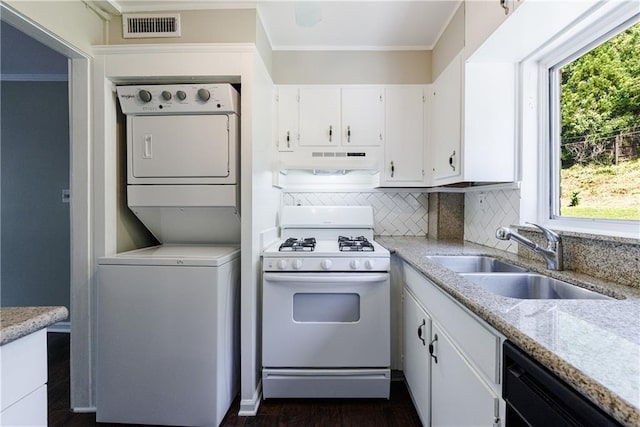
[(550, 235)]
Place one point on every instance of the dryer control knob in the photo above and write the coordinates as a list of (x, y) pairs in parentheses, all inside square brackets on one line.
[(297, 264), (325, 264), (166, 95), (182, 95), (355, 264), (204, 94), (282, 264), (368, 264), (144, 95)]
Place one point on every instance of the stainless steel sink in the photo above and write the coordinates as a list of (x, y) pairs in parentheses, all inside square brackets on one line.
[(531, 286), (474, 264)]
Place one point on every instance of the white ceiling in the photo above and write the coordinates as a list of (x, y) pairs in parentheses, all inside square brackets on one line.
[(329, 24)]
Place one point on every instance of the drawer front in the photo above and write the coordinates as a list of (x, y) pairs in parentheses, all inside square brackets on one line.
[(479, 344), (24, 367)]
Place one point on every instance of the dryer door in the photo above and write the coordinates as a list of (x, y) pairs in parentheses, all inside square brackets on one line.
[(184, 146)]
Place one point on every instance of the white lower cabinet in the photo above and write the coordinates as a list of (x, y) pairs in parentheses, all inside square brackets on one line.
[(454, 375), (23, 381), (459, 395), (417, 364)]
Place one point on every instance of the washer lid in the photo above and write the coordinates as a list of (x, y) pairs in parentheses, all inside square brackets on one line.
[(182, 255)]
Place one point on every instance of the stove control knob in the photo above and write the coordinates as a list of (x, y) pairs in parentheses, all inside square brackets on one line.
[(144, 95), (325, 264), (282, 264), (182, 95), (297, 264), (355, 264), (368, 264), (204, 94), (166, 95)]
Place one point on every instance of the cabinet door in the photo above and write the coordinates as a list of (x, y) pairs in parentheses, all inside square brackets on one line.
[(362, 116), (447, 123), (287, 118), (319, 116), (459, 396), (405, 134), (416, 332)]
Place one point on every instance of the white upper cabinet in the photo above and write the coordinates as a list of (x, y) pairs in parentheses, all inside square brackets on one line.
[(362, 116), (406, 133), (473, 134), (288, 132), (339, 117), (319, 117), (446, 127)]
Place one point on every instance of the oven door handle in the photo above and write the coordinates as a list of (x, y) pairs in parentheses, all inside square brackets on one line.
[(326, 278)]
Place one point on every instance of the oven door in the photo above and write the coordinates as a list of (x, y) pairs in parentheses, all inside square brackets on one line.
[(323, 320)]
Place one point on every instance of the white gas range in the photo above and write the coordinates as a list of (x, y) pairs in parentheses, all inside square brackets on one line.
[(326, 321)]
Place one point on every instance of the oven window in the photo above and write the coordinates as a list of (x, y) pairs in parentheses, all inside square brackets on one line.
[(326, 307)]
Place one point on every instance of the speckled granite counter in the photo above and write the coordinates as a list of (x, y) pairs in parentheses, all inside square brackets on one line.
[(594, 345), (16, 322)]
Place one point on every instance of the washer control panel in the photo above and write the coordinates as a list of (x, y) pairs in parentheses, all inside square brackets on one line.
[(178, 99)]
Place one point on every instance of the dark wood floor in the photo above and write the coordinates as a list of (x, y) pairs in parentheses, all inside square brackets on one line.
[(397, 411)]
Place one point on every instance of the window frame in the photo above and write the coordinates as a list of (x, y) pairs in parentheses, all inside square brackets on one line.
[(538, 76)]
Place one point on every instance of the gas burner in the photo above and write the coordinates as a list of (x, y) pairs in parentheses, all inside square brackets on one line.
[(292, 244), (359, 243)]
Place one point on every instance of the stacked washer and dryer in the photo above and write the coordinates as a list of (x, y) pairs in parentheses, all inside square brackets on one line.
[(168, 316)]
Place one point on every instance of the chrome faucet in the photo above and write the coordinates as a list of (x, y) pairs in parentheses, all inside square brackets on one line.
[(552, 253)]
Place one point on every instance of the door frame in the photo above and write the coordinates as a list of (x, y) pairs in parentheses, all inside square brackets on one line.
[(82, 263)]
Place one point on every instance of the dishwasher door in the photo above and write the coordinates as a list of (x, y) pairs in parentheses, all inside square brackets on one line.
[(536, 397)]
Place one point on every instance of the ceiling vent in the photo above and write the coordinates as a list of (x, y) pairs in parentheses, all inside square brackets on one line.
[(150, 25)]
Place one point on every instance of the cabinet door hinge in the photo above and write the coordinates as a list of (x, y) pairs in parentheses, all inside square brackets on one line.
[(277, 96), (424, 98)]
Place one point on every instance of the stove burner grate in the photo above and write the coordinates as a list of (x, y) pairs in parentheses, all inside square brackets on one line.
[(359, 243), (293, 244)]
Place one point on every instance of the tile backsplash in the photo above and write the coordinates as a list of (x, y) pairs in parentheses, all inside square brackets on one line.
[(485, 211), (395, 214)]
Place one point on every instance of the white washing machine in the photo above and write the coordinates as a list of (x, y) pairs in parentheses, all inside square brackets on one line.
[(168, 335)]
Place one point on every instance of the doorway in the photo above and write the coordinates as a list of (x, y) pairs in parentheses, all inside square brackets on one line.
[(81, 265), (35, 226)]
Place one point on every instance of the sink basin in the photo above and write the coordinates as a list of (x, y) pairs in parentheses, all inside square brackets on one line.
[(474, 264), (531, 286)]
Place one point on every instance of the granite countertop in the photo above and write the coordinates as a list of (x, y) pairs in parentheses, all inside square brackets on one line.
[(16, 322), (594, 345)]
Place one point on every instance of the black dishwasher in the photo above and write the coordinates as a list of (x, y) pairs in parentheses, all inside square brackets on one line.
[(537, 397)]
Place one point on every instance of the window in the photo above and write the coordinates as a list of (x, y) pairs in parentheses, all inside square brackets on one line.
[(594, 128)]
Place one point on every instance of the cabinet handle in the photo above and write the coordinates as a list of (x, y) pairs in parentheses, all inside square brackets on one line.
[(435, 358), (393, 169), (503, 4), (330, 132), (288, 140), (420, 331), (451, 160), (348, 133)]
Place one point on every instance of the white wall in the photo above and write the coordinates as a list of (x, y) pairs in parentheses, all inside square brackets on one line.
[(71, 21)]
